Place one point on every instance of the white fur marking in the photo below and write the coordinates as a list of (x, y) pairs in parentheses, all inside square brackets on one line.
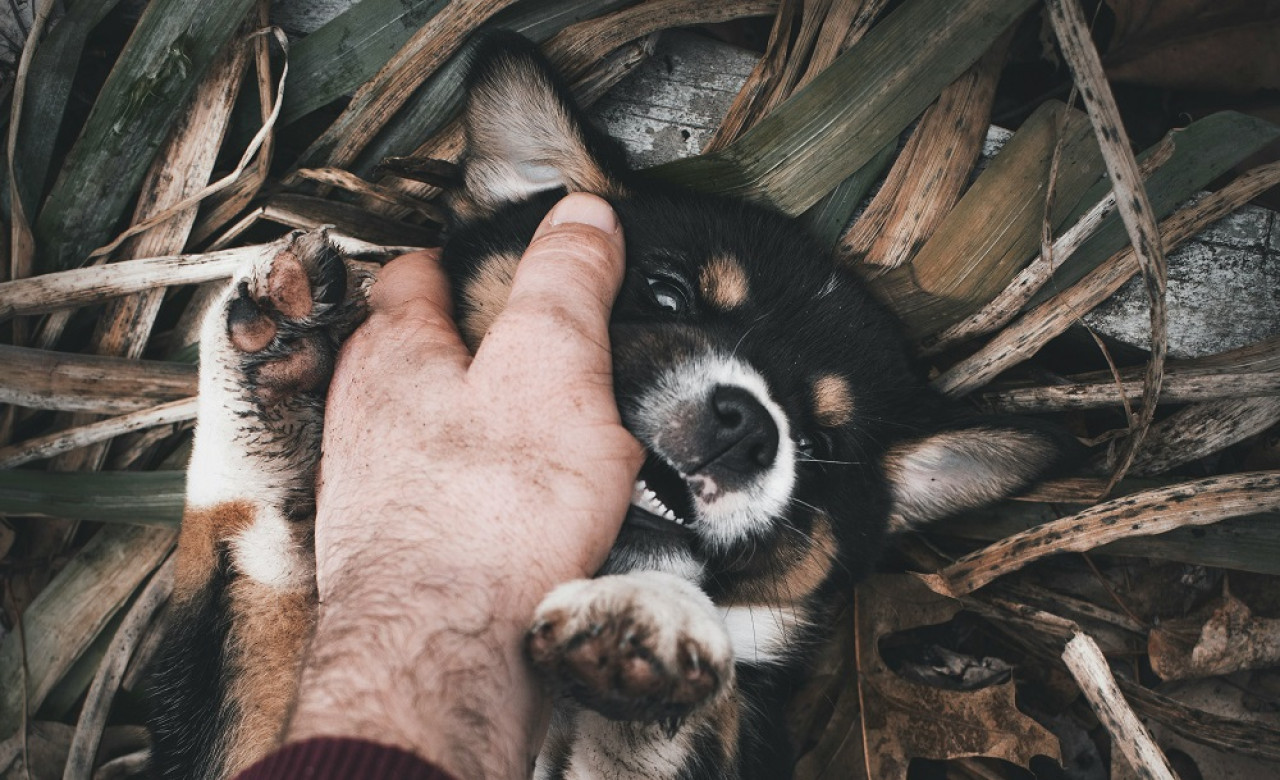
[(761, 634), (267, 553), (732, 515)]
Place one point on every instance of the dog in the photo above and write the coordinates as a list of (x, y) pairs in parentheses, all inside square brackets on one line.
[(787, 436)]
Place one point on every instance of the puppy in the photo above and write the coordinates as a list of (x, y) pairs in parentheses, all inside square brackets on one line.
[(786, 431)]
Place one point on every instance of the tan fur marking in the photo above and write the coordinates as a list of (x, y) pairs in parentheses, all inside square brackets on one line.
[(724, 715), (945, 473), (486, 295), (793, 575), (202, 529), (270, 630), (723, 283), (832, 402), (515, 120)]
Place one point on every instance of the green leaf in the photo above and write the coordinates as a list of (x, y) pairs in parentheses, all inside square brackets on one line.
[(440, 97), (829, 217), (837, 123), (1203, 151), (346, 51), (134, 497), (148, 87), (52, 71)]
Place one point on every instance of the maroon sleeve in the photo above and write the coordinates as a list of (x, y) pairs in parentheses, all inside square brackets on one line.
[(339, 758)]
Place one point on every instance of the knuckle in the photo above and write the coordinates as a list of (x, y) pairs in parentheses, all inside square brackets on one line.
[(581, 246)]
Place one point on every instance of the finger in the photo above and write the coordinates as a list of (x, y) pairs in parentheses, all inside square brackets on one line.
[(557, 315), (414, 280), (410, 307)]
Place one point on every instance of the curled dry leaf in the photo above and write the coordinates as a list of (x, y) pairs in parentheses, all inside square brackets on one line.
[(1232, 639), (904, 719)]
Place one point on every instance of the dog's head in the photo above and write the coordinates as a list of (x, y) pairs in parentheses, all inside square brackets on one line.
[(786, 430)]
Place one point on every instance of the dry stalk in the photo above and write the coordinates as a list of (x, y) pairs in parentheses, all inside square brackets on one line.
[(71, 611), (65, 441), (22, 249), (930, 174), (83, 286), (744, 111), (1131, 200), (1098, 394), (166, 210), (223, 206), (826, 29), (844, 25), (1250, 738), (1203, 429), (1089, 667), (40, 379), (1033, 330), (336, 177), (234, 68), (1200, 502), (97, 703), (1028, 282), (379, 98)]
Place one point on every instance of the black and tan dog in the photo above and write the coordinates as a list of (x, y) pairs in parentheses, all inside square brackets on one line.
[(787, 436)]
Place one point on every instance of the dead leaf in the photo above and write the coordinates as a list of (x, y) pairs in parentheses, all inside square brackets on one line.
[(900, 719), (1231, 640), (1207, 45), (46, 751)]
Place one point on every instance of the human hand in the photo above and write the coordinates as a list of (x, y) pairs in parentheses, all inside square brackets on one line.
[(456, 491)]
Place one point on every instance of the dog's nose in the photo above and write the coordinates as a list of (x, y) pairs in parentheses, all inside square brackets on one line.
[(746, 437)]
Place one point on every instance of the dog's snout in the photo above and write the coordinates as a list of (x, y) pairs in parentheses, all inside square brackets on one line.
[(746, 435)]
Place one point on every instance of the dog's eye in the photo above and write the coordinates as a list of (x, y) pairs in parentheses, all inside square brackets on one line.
[(813, 447), (668, 294)]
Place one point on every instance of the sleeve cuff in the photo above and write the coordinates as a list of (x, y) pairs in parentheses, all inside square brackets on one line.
[(342, 758)]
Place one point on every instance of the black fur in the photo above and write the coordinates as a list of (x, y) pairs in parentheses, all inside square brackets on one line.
[(189, 681)]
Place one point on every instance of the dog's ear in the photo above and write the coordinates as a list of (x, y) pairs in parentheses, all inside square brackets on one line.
[(968, 466), (525, 134)]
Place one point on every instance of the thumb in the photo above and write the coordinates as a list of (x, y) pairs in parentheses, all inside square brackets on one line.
[(564, 285)]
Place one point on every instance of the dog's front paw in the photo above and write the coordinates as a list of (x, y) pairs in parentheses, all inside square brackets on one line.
[(644, 646), (285, 317)]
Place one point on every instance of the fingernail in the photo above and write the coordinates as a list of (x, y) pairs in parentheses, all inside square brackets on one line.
[(584, 209)]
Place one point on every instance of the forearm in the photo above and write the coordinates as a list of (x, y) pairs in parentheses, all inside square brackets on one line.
[(429, 664)]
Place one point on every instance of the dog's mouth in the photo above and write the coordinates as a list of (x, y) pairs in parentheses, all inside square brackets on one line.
[(661, 500)]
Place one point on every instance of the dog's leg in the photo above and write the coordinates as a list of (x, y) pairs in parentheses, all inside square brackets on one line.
[(244, 590), (649, 661)]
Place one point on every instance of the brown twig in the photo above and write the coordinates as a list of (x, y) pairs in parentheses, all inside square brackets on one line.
[(1087, 664), (1199, 502), (1131, 200)]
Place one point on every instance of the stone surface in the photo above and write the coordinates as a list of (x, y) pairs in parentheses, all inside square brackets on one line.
[(672, 104), (1223, 292)]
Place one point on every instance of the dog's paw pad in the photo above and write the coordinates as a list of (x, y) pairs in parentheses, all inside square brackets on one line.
[(280, 313), (634, 647)]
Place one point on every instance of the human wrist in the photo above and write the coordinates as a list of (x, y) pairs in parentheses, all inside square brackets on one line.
[(429, 664)]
